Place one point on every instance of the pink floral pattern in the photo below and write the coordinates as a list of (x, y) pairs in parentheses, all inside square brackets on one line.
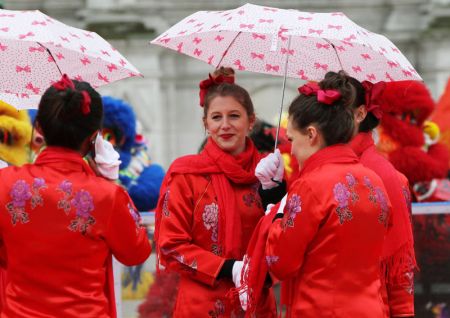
[(377, 196), (343, 193), (252, 197), (20, 193), (211, 220), (219, 309), (135, 215), (293, 207), (271, 259), (82, 202), (165, 207), (66, 188)]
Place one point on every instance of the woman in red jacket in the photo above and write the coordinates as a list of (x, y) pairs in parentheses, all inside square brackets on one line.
[(61, 223), (397, 260), (325, 243), (209, 206)]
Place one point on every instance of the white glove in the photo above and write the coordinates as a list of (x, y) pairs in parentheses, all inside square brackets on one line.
[(236, 275), (269, 169), (282, 204), (106, 158), (269, 207), (3, 164)]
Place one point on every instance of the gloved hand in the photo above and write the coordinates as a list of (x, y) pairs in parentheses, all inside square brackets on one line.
[(3, 164), (282, 205), (270, 170), (269, 207), (236, 275), (106, 158)]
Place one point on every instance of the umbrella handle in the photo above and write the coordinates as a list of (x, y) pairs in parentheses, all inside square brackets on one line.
[(282, 94)]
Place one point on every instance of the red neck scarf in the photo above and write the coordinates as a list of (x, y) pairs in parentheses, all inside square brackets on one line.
[(255, 265), (63, 158), (398, 247), (225, 170)]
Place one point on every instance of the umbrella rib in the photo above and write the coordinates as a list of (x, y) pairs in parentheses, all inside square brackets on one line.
[(51, 55), (335, 51), (226, 51)]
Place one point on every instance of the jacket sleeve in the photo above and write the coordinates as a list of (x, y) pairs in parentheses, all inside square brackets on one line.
[(290, 236), (124, 234), (178, 250)]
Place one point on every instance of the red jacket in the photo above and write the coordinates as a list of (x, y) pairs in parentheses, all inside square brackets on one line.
[(190, 244), (398, 262), (326, 249), (60, 224)]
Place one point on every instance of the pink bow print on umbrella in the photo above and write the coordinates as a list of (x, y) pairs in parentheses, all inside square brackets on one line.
[(35, 50)]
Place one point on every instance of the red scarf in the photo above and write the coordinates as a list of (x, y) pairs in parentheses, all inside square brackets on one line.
[(398, 247), (225, 170), (255, 265)]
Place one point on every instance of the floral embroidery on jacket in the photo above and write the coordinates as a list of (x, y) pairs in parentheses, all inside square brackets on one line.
[(185, 265), (36, 199), (211, 219), (135, 215), (271, 259), (252, 197), (20, 193), (219, 309), (341, 195), (383, 216), (293, 207), (165, 207), (64, 203), (82, 202), (377, 196)]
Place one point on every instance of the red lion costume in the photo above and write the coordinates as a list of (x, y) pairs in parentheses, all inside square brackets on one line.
[(406, 105)]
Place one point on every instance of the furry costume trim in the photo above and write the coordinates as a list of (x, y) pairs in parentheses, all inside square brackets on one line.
[(17, 123)]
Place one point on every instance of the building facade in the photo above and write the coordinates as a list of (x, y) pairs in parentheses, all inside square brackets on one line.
[(166, 99)]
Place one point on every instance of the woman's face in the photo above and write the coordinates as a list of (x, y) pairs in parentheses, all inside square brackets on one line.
[(304, 145), (228, 124)]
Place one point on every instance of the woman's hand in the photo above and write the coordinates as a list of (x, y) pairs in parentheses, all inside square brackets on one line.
[(270, 170)]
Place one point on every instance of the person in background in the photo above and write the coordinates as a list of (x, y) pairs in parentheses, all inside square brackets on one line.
[(209, 205), (61, 221), (398, 259), (138, 175)]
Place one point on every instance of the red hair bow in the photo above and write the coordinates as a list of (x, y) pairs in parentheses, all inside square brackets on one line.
[(64, 83), (207, 83), (373, 93), (324, 96)]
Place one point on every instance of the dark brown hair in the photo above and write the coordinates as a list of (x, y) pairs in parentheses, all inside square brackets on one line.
[(61, 118), (225, 89), (370, 122), (335, 121)]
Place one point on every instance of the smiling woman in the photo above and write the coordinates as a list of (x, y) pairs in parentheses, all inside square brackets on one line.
[(209, 206)]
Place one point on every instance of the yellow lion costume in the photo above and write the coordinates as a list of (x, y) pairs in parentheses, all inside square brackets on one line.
[(15, 135)]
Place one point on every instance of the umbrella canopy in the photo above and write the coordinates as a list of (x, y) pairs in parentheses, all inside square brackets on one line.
[(260, 39), (35, 50)]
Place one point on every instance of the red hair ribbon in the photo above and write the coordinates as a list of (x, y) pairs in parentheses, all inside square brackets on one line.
[(85, 103), (373, 93), (64, 83), (324, 96), (207, 83)]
